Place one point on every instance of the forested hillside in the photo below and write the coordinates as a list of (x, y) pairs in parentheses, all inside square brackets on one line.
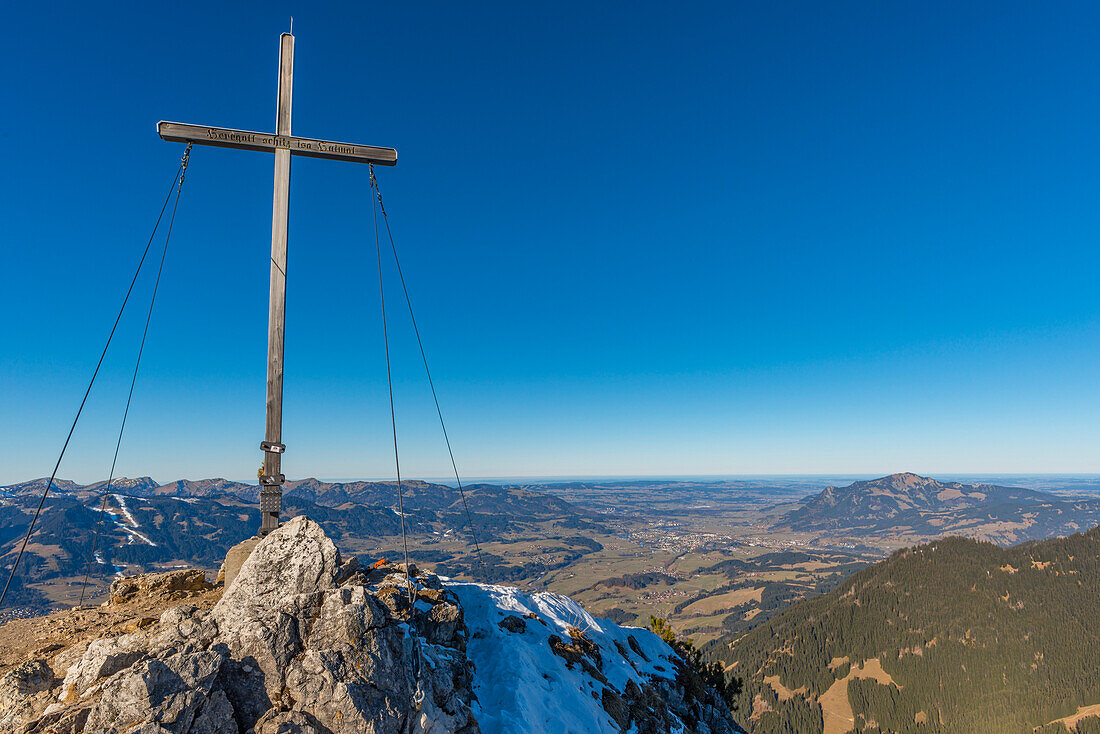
[(954, 636)]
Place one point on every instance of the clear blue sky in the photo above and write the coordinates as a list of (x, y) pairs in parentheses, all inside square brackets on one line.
[(701, 238)]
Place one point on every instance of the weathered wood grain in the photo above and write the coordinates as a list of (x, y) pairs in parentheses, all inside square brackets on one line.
[(224, 137)]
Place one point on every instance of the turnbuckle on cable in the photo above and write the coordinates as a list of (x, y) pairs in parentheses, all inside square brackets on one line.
[(377, 190), (183, 163)]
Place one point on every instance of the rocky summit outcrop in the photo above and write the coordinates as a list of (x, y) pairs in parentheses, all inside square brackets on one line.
[(302, 641), (286, 649), (170, 586)]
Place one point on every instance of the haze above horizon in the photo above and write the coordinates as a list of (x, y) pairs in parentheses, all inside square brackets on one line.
[(868, 240)]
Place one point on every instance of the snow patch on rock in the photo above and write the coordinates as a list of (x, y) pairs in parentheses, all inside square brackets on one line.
[(522, 685)]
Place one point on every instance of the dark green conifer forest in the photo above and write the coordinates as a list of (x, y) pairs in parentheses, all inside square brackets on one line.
[(975, 638)]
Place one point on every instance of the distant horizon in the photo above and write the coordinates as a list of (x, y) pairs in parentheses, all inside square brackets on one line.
[(558, 479)]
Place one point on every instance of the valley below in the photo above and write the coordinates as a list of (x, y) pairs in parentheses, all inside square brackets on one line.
[(719, 559)]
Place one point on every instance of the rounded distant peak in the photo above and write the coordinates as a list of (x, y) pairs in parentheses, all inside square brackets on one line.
[(907, 479)]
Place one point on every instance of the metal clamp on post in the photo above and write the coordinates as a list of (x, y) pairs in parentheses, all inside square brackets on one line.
[(269, 481), (271, 500), (275, 448)]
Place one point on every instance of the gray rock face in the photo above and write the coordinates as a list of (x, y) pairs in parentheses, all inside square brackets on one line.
[(170, 585), (103, 658), (24, 691), (285, 650), (267, 610), (296, 560), (169, 693)]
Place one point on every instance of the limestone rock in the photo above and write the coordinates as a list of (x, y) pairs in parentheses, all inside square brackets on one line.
[(23, 691), (102, 658), (286, 649), (266, 611), (215, 717), (171, 585), (168, 693), (287, 722), (234, 559), (296, 559), (183, 629)]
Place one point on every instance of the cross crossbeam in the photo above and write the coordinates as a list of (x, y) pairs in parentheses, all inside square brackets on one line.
[(283, 144), (224, 137)]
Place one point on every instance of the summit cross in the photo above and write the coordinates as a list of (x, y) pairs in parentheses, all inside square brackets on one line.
[(284, 145)]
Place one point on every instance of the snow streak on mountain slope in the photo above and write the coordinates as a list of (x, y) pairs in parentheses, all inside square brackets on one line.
[(130, 528), (523, 686)]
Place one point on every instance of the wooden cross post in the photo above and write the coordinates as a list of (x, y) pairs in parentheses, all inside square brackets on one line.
[(284, 145)]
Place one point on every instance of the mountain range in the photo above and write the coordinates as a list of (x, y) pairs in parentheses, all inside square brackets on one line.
[(150, 526), (418, 495), (914, 508)]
